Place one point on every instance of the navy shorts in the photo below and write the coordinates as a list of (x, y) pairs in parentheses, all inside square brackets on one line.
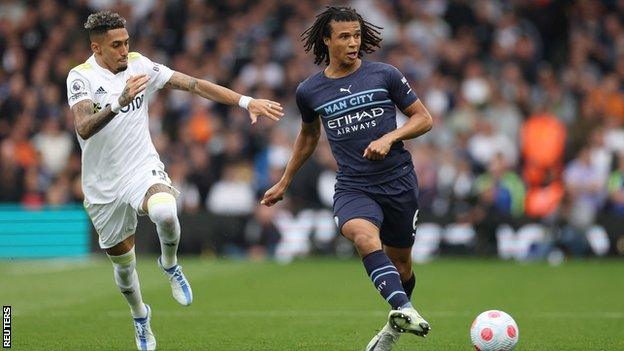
[(395, 214)]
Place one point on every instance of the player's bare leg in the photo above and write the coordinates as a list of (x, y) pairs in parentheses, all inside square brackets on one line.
[(124, 266), (363, 234), (160, 204), (402, 260)]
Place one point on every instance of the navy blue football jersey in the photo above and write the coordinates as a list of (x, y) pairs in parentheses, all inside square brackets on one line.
[(355, 110)]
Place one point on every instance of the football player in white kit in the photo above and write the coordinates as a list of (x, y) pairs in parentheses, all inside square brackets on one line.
[(122, 174)]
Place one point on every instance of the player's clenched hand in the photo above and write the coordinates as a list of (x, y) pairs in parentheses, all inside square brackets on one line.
[(378, 149), (134, 85), (262, 107), (273, 195)]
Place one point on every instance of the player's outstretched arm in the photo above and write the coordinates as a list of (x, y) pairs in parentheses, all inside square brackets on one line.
[(221, 94), (304, 147), (419, 123), (89, 122)]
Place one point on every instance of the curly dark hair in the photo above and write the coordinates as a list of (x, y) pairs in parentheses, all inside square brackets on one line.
[(103, 21), (313, 36)]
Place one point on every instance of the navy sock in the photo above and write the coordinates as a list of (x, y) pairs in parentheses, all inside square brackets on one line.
[(386, 278), (408, 286)]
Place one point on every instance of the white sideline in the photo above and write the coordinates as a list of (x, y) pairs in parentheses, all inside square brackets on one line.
[(345, 313)]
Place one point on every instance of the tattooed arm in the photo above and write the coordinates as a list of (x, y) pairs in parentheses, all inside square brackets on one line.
[(89, 122), (203, 88), (223, 95)]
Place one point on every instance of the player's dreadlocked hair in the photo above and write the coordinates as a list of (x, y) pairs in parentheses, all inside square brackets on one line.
[(313, 36), (103, 21)]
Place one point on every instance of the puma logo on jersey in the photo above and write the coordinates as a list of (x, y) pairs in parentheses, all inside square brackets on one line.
[(346, 90)]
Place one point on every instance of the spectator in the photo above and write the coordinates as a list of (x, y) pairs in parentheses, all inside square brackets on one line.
[(543, 200), (543, 139), (261, 233), (585, 185), (616, 187), (261, 71), (11, 175), (232, 201), (233, 194), (486, 143), (503, 186), (54, 145)]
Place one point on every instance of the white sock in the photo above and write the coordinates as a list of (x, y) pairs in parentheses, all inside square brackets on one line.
[(127, 279), (162, 210)]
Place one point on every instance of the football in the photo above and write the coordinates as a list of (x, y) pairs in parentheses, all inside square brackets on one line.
[(494, 331)]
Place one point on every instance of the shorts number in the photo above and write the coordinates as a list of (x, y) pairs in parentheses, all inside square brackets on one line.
[(415, 220), (162, 175)]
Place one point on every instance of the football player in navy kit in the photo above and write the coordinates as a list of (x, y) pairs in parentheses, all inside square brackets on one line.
[(376, 197)]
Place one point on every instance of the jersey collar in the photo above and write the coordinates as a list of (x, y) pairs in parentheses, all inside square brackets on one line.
[(104, 71)]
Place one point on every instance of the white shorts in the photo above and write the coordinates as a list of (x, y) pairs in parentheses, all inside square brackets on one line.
[(116, 221)]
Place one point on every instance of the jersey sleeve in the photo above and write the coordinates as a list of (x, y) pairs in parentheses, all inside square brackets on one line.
[(159, 74), (307, 113), (78, 88), (399, 89)]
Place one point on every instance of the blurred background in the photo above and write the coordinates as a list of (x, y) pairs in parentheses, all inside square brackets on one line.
[(525, 160)]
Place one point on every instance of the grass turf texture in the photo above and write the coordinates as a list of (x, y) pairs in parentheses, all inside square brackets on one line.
[(316, 304)]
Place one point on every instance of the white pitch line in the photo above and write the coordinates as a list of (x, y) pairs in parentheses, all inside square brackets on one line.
[(360, 313), (332, 313)]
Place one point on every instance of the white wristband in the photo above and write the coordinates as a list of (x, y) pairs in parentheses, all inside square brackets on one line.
[(244, 101), (115, 106)]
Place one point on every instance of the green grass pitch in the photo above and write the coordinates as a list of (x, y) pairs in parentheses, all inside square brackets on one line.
[(314, 304)]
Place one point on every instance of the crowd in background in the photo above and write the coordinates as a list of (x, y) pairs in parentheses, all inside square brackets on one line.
[(527, 99)]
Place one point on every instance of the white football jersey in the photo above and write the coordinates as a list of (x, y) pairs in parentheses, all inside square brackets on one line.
[(123, 147)]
